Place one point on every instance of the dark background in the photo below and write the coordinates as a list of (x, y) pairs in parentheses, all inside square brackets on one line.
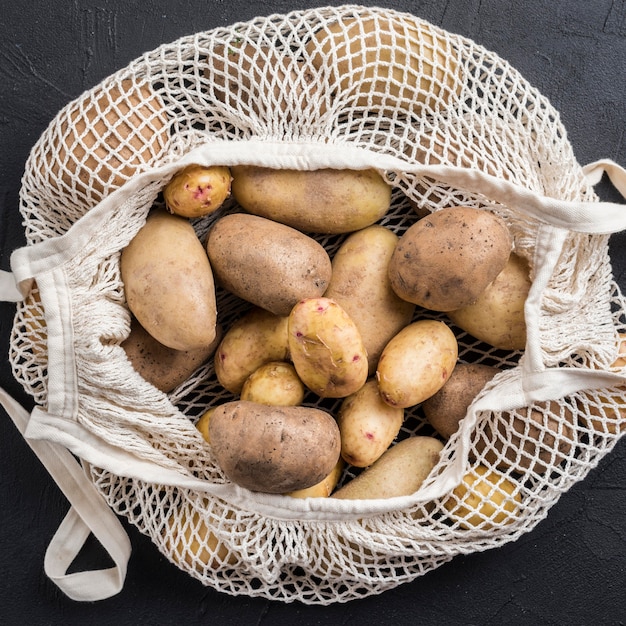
[(570, 570)]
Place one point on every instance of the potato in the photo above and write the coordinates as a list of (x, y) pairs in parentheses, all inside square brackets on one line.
[(368, 425), (275, 383), (197, 190), (274, 449), (360, 285), (416, 363), (326, 348), (330, 201), (398, 472), (268, 264), (497, 315), (35, 326), (445, 409), (102, 144), (325, 487), (414, 67), (164, 367), (446, 260), (203, 424), (169, 284), (484, 499), (256, 338)]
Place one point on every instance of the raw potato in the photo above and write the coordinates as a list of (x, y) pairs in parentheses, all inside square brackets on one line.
[(275, 383), (422, 62), (416, 363), (120, 143), (35, 325), (266, 263), (164, 367), (398, 472), (274, 449), (446, 260), (203, 424), (325, 487), (445, 410), (169, 284), (368, 425), (196, 190), (256, 338), (330, 201), (484, 499), (497, 315), (360, 285), (326, 348)]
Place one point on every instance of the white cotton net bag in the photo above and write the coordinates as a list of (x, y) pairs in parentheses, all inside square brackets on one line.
[(448, 123)]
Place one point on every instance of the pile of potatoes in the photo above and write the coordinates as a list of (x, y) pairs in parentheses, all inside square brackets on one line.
[(346, 329)]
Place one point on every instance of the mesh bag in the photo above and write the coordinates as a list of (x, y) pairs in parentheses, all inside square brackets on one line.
[(447, 123)]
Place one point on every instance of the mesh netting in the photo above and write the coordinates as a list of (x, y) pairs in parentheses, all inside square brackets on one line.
[(391, 85)]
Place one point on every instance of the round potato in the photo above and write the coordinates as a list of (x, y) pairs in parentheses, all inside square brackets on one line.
[(446, 260), (203, 424), (497, 315), (169, 284), (270, 265), (275, 383), (326, 348), (330, 201), (274, 449), (416, 363), (368, 425), (360, 285), (325, 487), (256, 338)]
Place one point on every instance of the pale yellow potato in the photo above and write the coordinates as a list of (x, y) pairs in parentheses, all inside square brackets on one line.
[(330, 201), (256, 338), (446, 260), (276, 383), (268, 264), (484, 499), (497, 315), (360, 285), (416, 363), (378, 62), (325, 487), (274, 449), (400, 471), (197, 190), (326, 348), (169, 284), (203, 424), (368, 425)]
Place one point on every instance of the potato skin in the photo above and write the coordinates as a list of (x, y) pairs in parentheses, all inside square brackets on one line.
[(314, 201), (416, 363), (266, 263), (445, 260), (274, 449), (324, 488), (256, 338), (326, 348), (497, 315), (169, 284), (275, 383), (398, 472), (360, 285)]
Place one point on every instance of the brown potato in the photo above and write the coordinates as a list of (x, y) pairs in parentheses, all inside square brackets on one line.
[(164, 367), (330, 201), (270, 265), (446, 260), (168, 283), (360, 285), (325, 487), (274, 449)]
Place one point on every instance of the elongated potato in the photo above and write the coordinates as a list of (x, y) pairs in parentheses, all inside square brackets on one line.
[(416, 363), (266, 263), (169, 284), (360, 285), (326, 348), (368, 425), (398, 472), (274, 449), (314, 201), (254, 339), (275, 383)]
